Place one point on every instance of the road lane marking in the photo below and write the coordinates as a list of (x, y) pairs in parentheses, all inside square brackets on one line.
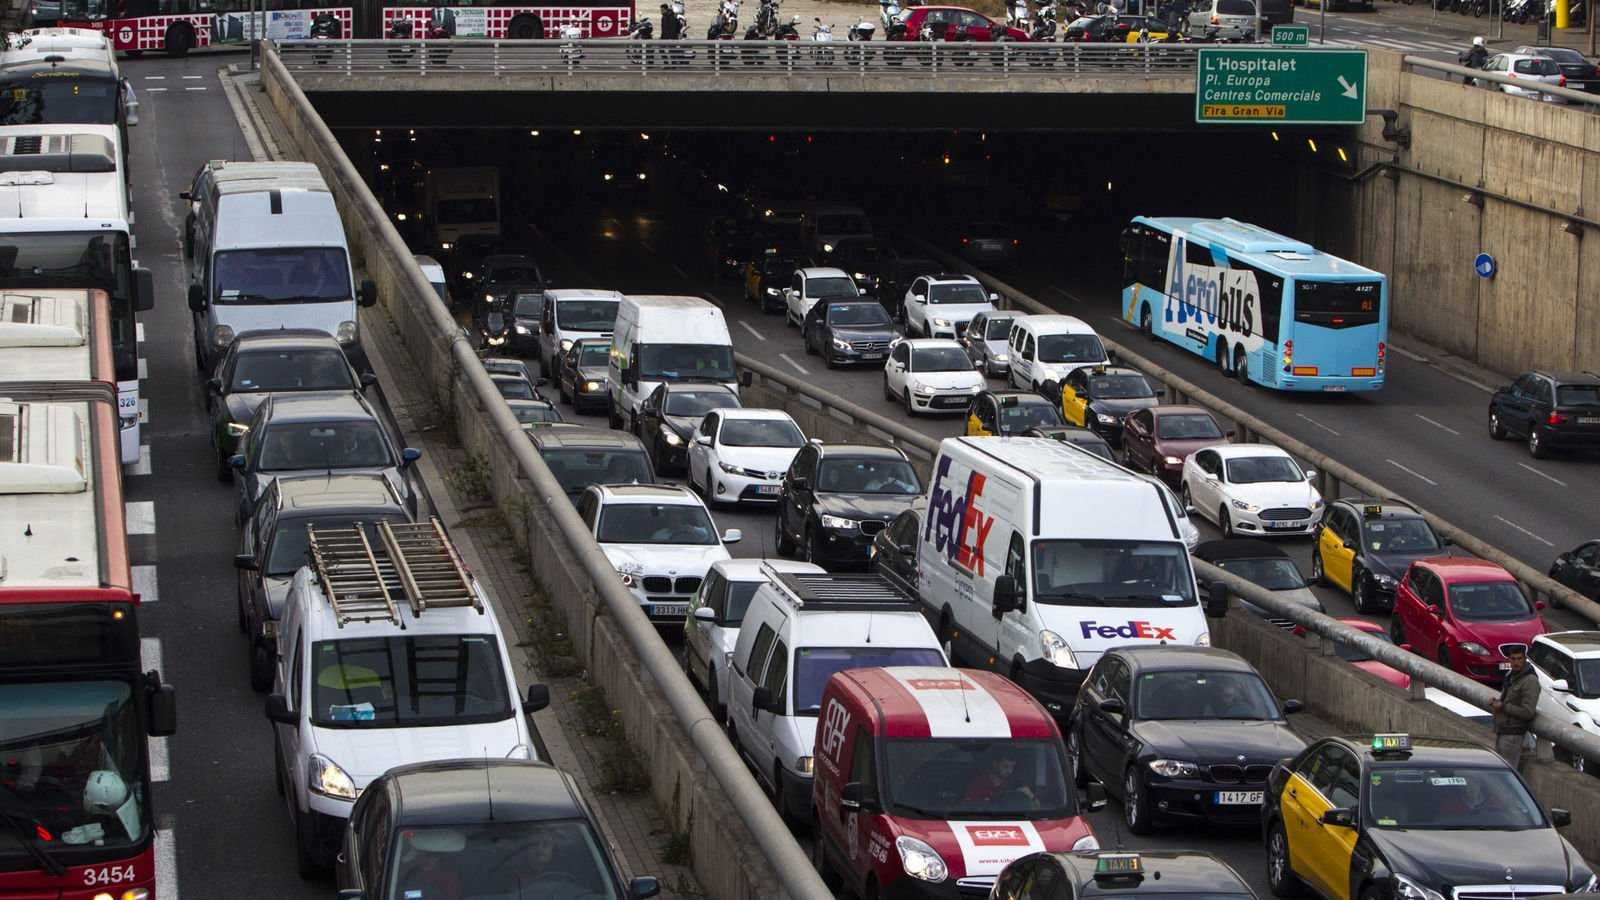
[(1319, 424), (138, 331), (144, 369), (1525, 531), (194, 88), (1412, 472), (647, 246), (150, 658), (166, 865), (1437, 424), (155, 90), (797, 367), (679, 269), (758, 335), (144, 583), (193, 77), (1542, 475), (142, 467), (140, 516), (1065, 294), (155, 78)]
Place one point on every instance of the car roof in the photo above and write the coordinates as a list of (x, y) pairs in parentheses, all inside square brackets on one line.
[(865, 450), (1457, 569), (469, 791), (925, 343), (752, 569), (583, 294), (1109, 370), (284, 339), (321, 493), (1577, 643), (918, 701), (675, 494), (1165, 872), (1390, 508), (1239, 548), (1068, 324), (1179, 409), (1165, 657), (1238, 451), (953, 277), (746, 412), (1028, 396), (715, 387), (584, 437), (821, 271), (539, 402), (1427, 750), (1569, 377), (303, 406)]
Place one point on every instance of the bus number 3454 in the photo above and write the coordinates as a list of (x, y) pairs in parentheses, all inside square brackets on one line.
[(107, 875)]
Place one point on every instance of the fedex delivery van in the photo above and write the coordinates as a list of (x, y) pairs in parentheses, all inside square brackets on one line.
[(660, 339), (1036, 557)]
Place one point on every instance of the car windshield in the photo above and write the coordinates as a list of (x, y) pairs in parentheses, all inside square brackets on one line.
[(1091, 442), (698, 403), (281, 275), (813, 666), (867, 476), (1400, 536), (1349, 653), (1018, 417), (513, 273), (833, 286), (1263, 469), (1187, 427), (577, 469), (1273, 573), (293, 446), (529, 305), (739, 596), (1578, 395), (1191, 694), (859, 315), (1119, 387), (760, 433), (1489, 601), (264, 371), (1236, 8), (940, 359), (957, 292), (594, 356), (779, 268), (398, 682), (1442, 797), (713, 361), (867, 252), (532, 414), (1537, 65), (655, 523), (291, 546), (561, 859), (72, 773), (1112, 573), (976, 778), (1057, 348), (997, 330), (515, 388), (586, 315)]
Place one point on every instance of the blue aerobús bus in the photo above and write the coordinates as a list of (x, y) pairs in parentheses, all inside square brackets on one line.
[(1266, 308)]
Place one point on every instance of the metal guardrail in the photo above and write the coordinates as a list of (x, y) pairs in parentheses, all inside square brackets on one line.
[(1409, 63), (740, 59)]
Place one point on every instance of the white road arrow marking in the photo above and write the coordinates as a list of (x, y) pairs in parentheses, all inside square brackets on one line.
[(1349, 89)]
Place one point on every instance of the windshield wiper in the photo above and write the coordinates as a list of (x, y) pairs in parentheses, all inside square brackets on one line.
[(29, 841), (1073, 595), (919, 811), (1148, 598)]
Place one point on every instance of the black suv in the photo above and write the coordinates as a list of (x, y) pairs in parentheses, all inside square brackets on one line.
[(274, 545), (579, 456), (478, 828), (1365, 546), (1550, 410), (669, 415), (836, 497), (848, 330), (766, 277)]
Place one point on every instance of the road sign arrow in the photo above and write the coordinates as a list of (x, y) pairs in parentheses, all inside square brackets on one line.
[(1350, 90)]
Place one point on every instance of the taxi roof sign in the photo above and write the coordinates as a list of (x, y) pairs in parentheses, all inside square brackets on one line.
[(1372, 509), (1391, 743), (1118, 865)]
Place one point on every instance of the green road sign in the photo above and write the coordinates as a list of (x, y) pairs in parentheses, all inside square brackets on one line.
[(1291, 36), (1250, 86)]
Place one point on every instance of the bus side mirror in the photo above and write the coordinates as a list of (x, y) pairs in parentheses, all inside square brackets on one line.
[(368, 295), (144, 290), (1216, 600), (162, 716), (197, 298), (130, 107)]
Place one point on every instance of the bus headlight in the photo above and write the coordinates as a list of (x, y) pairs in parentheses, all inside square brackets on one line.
[(327, 779), (920, 860), (346, 333), (221, 336), (1055, 650)]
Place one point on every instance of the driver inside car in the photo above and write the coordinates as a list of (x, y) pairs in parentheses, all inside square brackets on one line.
[(999, 777)]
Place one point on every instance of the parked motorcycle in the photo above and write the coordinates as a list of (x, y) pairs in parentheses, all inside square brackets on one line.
[(860, 32), (821, 43), (640, 29), (325, 28)]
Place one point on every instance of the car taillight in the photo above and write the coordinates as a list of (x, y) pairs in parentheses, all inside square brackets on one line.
[(1213, 18), (1288, 355), (966, 241), (1015, 242), (1557, 418)]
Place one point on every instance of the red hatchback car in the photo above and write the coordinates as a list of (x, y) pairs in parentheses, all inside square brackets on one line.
[(944, 20), (1463, 613)]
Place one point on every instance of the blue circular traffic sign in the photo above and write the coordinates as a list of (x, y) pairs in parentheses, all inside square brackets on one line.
[(1484, 265)]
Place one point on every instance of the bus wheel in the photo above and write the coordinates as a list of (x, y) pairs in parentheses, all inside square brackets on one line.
[(525, 28), (1222, 358), (179, 40), (1241, 367), (1145, 324)]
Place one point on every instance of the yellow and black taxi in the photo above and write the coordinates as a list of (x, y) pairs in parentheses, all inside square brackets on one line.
[(1179, 874), (1392, 817), (1009, 413), (1364, 547), (1100, 397)]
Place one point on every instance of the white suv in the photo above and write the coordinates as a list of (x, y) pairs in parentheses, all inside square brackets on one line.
[(807, 286), (385, 674), (661, 540), (943, 305), (1567, 664), (715, 613)]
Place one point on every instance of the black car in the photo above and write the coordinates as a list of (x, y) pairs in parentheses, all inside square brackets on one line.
[(1010, 413), (731, 242), (579, 456), (1265, 565), (895, 278), (669, 415), (864, 258), (1579, 569), (1122, 874), (1364, 547), (478, 828), (1550, 410), (1101, 397), (532, 413), (466, 256), (766, 277), (894, 550), (1072, 434), (837, 497), (990, 243), (1179, 733), (274, 545), (1388, 815), (258, 363), (1580, 73), (848, 330), (1113, 29), (581, 373)]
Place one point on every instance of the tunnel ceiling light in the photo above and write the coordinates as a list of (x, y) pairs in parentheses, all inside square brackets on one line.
[(1108, 186), (1274, 136), (1312, 144), (533, 133), (577, 131), (1342, 156), (643, 136)]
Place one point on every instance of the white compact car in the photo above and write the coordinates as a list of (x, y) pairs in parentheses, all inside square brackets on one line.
[(807, 286), (716, 611), (931, 375), (943, 305), (741, 454), (1251, 489), (660, 539), (1567, 664)]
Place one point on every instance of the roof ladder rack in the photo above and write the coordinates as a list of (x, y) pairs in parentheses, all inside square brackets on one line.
[(352, 579), (431, 571)]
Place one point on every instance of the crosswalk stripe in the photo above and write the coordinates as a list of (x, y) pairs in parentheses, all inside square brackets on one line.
[(140, 516)]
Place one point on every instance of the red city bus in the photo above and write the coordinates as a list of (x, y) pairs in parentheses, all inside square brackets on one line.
[(497, 19), (75, 819)]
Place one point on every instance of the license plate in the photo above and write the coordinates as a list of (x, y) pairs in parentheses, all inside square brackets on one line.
[(665, 610), (1238, 798), (1285, 526), (1589, 420), (768, 489), (1333, 388), (872, 356)]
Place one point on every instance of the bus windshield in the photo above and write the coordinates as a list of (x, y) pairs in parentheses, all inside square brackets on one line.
[(1337, 304), (93, 260), (33, 97)]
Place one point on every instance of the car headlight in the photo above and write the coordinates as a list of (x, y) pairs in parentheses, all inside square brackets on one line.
[(859, 276), (1387, 582), (488, 298), (236, 429), (445, 245), (730, 468), (1001, 357), (1172, 460), (921, 388), (1247, 507), (1316, 503), (592, 386), (1474, 648), (1105, 419), (841, 344), (630, 574), (838, 522), (467, 275), (1087, 842), (523, 329), (772, 292), (670, 436), (1055, 650), (327, 779), (1406, 889), (221, 336), (802, 765), (920, 860), (1174, 768), (940, 323), (1204, 640)]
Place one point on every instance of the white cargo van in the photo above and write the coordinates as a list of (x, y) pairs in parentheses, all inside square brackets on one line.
[(269, 252), (659, 339), (1037, 557), (1046, 349), (461, 201)]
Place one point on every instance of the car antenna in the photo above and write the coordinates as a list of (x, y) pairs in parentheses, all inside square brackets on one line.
[(869, 628), (488, 786), (965, 711)]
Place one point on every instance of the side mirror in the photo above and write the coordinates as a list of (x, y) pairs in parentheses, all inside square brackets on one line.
[(182, 195), (800, 483), (1311, 474), (214, 386), (1113, 706), (993, 297), (853, 797), (246, 562), (1560, 685), (761, 701), (705, 614), (161, 719), (1229, 433), (1351, 545), (1216, 600), (538, 697), (1111, 356), (703, 440), (1560, 817), (1538, 604), (144, 290), (367, 380), (732, 536), (643, 886), (278, 711), (197, 298), (409, 455), (368, 294), (1339, 816), (1447, 542), (906, 549), (1007, 596), (1437, 612), (236, 462), (747, 378), (1209, 477), (1290, 707), (1094, 796)]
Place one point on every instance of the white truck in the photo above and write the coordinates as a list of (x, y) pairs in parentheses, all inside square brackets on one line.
[(460, 202), (658, 339)]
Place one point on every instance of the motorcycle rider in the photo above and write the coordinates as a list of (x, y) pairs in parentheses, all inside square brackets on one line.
[(1474, 57)]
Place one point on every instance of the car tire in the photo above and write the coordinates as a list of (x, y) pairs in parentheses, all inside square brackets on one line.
[(829, 360), (1319, 575), (1185, 497), (244, 621), (706, 492), (1281, 879), (1361, 591), (561, 392), (911, 409), (779, 799), (1135, 803), (719, 710), (1225, 522), (947, 636), (813, 549), (277, 768), (785, 547), (310, 868), (1536, 445), (224, 471), (1442, 657), (261, 666), (831, 879), (1397, 629), (613, 418), (810, 350), (1497, 431), (1080, 775)]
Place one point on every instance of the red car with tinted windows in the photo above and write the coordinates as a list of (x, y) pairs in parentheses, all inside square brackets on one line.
[(1159, 438), (944, 20), (1463, 613)]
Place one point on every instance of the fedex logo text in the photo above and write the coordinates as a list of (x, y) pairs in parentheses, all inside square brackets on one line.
[(957, 524), (996, 836), (1131, 629)]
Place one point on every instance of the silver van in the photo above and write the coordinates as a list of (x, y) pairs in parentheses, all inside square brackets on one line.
[(1233, 19), (268, 251)]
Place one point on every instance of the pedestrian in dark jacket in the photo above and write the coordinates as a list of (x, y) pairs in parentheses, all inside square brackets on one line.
[(1514, 709), (671, 24)]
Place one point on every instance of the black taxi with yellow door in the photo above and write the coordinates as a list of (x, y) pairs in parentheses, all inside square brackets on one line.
[(1100, 397), (1391, 817), (1365, 546), (1009, 413), (1174, 874)]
